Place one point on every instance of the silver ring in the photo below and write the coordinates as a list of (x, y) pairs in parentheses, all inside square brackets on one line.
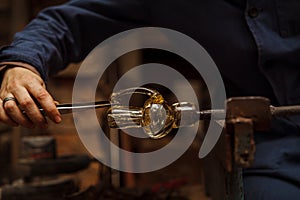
[(8, 99)]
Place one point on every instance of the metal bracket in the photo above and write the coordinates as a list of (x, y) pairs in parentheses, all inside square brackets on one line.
[(244, 116)]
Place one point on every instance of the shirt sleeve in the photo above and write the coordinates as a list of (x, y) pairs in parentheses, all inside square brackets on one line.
[(6, 65), (63, 34)]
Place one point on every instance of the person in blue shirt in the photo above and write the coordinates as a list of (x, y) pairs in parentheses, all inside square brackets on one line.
[(255, 44)]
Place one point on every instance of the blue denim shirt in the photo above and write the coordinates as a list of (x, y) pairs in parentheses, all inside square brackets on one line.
[(254, 43)]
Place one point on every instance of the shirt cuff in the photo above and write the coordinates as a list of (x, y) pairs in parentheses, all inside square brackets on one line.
[(5, 65)]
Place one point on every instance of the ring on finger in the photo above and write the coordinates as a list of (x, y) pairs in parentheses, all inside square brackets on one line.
[(8, 99)]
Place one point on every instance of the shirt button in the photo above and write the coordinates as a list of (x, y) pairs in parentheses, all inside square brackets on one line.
[(253, 12)]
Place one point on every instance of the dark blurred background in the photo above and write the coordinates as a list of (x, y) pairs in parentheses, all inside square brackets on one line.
[(15, 14)]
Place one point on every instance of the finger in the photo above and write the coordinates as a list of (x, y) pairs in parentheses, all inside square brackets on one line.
[(5, 118), (13, 111), (46, 101), (27, 104)]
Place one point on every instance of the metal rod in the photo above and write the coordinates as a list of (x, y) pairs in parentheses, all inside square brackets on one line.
[(216, 114), (282, 111), (69, 107), (279, 111)]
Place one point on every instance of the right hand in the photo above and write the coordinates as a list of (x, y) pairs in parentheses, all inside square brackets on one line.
[(27, 88)]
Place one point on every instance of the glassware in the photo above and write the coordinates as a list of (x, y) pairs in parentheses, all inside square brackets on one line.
[(155, 116)]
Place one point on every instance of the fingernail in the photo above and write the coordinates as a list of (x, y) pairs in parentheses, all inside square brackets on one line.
[(57, 119)]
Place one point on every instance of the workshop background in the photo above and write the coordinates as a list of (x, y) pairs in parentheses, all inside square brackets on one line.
[(183, 178)]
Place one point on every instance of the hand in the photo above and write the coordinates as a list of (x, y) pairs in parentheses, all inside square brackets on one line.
[(27, 88)]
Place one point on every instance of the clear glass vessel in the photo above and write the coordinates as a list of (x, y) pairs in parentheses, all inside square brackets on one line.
[(154, 115)]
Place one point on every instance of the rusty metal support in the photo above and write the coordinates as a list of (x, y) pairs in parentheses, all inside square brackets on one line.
[(244, 116), (244, 146)]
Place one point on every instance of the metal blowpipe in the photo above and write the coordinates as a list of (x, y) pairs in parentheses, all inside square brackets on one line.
[(155, 116)]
